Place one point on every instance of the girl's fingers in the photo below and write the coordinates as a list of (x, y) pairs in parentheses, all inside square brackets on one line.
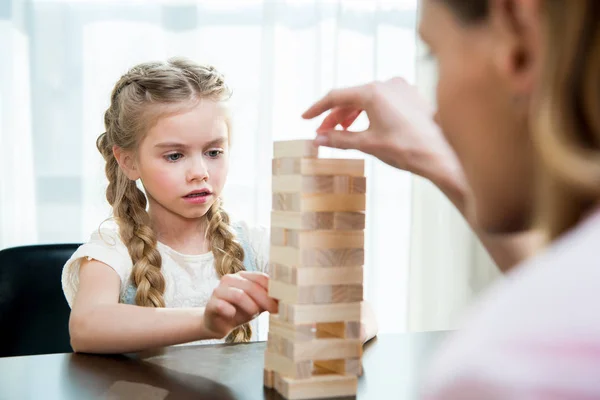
[(255, 285), (237, 298), (219, 307), (259, 278)]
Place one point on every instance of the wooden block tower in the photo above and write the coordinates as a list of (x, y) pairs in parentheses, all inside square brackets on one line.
[(317, 256)]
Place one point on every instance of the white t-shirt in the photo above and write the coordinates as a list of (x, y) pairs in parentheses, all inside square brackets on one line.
[(189, 279), (534, 335)]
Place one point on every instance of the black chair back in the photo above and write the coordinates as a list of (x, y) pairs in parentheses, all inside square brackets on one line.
[(34, 314)]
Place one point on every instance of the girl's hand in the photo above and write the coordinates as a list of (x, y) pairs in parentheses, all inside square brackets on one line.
[(238, 299)]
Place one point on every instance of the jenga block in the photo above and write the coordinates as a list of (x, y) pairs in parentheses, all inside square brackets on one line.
[(351, 366), (315, 313), (317, 257), (349, 220), (318, 349), (321, 294), (295, 148), (282, 273), (306, 368), (268, 379), (348, 184), (287, 330), (301, 220), (326, 239), (317, 276), (286, 366), (340, 184), (276, 344), (316, 387), (318, 166), (345, 330), (318, 202), (318, 220)]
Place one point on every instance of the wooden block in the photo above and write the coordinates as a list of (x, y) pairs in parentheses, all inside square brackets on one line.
[(316, 387), (319, 294), (278, 363), (318, 202), (282, 273), (315, 313), (348, 220), (279, 236), (340, 184), (349, 184), (318, 166), (287, 330), (345, 330), (302, 220), (268, 379), (286, 366), (349, 366), (323, 239), (317, 257), (275, 344), (306, 276), (323, 220), (295, 148), (317, 349)]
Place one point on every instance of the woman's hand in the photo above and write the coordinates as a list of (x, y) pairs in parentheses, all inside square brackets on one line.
[(402, 131)]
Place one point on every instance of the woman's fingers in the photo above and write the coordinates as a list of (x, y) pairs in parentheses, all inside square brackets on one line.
[(338, 116), (350, 118), (356, 97)]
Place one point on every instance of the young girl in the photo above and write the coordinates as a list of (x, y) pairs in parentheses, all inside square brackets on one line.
[(196, 275)]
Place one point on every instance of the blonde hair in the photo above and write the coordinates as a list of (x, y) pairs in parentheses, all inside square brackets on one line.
[(566, 115), (141, 96)]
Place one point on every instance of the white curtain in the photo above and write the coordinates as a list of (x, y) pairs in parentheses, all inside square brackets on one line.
[(59, 60), (448, 265), (18, 217)]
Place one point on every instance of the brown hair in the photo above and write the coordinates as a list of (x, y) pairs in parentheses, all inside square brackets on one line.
[(142, 95), (565, 114), (468, 11)]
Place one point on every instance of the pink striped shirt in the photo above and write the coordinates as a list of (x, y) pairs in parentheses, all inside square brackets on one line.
[(534, 335)]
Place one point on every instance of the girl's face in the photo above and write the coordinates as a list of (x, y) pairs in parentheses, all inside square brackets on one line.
[(183, 160), (482, 96)]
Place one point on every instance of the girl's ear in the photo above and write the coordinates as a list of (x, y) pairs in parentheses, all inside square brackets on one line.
[(126, 161)]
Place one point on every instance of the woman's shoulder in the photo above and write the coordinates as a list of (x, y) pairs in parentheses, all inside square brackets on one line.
[(547, 296)]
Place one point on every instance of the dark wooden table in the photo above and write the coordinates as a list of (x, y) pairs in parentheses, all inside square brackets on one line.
[(393, 365)]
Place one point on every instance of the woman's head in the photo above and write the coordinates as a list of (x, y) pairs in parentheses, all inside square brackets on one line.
[(167, 126), (519, 101)]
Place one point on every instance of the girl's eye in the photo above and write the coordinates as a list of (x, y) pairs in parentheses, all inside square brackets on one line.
[(173, 157), (214, 153)]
